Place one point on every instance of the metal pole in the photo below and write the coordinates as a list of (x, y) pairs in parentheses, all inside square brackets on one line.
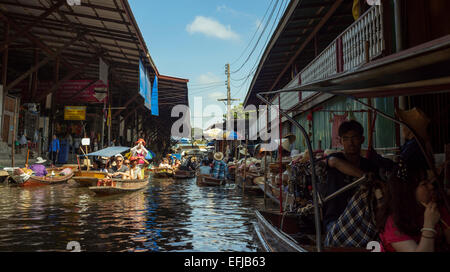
[(345, 188), (316, 198)]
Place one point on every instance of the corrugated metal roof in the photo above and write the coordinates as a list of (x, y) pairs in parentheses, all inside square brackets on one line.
[(107, 27), (291, 37)]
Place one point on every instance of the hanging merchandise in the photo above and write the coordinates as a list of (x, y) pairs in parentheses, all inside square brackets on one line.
[(351, 113), (336, 123)]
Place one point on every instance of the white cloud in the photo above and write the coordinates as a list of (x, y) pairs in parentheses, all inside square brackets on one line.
[(216, 95), (212, 28), (227, 9), (209, 78)]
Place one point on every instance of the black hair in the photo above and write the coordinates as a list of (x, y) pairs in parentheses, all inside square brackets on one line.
[(351, 125)]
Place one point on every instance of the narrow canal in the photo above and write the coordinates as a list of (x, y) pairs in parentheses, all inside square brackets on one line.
[(169, 215)]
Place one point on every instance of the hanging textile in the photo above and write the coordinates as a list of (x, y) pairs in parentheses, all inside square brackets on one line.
[(336, 123)]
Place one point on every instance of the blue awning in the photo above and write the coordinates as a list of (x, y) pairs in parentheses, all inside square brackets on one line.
[(109, 152), (154, 98)]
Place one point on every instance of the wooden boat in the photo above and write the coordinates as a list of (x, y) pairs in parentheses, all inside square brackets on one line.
[(205, 180), (162, 173), (181, 174), (119, 186), (274, 194), (48, 180), (250, 185), (289, 233), (88, 178)]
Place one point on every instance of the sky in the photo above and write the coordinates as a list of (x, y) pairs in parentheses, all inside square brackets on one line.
[(194, 39)]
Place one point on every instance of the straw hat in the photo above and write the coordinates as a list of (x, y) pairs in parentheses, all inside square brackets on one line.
[(133, 159), (218, 156), (243, 151), (417, 120), (286, 144), (140, 141), (40, 160), (291, 137)]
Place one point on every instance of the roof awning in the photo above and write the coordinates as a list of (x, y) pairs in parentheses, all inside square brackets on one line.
[(109, 152)]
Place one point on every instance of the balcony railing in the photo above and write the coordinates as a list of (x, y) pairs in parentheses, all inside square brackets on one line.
[(361, 42)]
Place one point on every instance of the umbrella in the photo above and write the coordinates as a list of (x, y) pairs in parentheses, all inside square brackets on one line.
[(232, 135), (213, 133), (150, 155)]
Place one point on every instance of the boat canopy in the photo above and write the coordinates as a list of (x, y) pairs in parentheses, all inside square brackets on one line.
[(109, 152)]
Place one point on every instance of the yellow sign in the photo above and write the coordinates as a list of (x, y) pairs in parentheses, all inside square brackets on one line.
[(75, 113)]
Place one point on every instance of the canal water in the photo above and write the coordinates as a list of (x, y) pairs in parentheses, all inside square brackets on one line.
[(167, 216)]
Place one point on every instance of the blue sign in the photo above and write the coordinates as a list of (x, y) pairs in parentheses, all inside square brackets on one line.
[(155, 107), (145, 85)]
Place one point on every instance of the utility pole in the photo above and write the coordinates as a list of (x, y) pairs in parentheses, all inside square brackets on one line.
[(229, 119), (228, 99)]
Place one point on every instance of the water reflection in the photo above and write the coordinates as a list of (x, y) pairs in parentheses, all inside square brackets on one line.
[(169, 215)]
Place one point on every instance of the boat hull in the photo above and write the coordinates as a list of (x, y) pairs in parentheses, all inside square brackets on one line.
[(120, 187), (34, 181), (203, 180), (179, 174), (88, 178), (270, 235), (162, 173)]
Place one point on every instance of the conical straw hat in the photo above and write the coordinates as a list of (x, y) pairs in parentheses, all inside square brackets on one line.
[(417, 120)]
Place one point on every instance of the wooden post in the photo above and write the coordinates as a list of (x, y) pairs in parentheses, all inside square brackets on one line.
[(4, 77), (13, 149), (280, 155), (369, 127), (245, 165), (265, 161)]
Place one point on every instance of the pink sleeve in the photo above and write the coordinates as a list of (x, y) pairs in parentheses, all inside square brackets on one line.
[(391, 233)]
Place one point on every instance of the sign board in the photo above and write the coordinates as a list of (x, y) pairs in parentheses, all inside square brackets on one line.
[(75, 113), (86, 141)]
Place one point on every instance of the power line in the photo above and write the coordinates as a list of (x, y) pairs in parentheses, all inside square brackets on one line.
[(254, 68), (254, 34), (259, 38)]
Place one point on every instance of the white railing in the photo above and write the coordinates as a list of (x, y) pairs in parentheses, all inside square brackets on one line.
[(367, 31), (322, 66), (364, 38)]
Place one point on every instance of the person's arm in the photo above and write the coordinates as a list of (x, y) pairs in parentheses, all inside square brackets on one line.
[(345, 167), (426, 244)]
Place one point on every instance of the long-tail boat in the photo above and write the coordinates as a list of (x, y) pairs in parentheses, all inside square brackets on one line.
[(162, 173), (182, 174), (88, 178), (206, 180), (49, 179), (118, 186)]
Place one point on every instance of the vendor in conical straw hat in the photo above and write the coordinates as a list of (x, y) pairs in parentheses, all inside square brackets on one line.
[(220, 168), (410, 152), (417, 120)]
